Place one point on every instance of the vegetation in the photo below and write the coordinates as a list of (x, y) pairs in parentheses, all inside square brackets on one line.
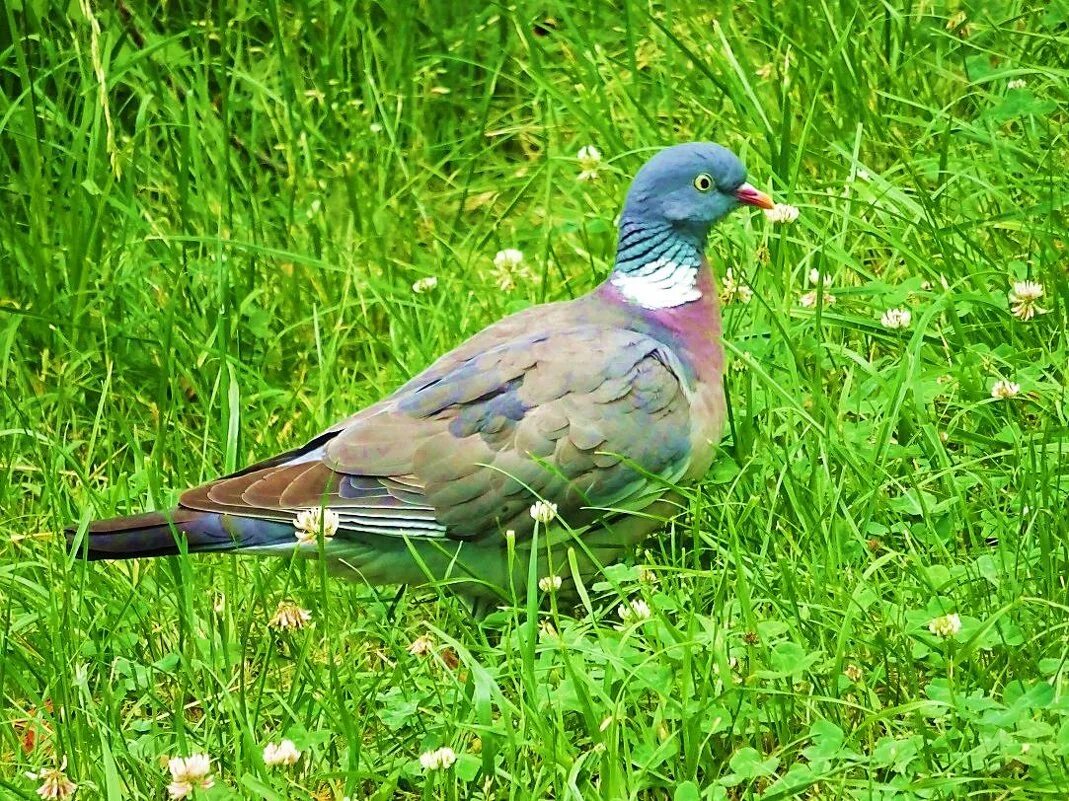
[(212, 219)]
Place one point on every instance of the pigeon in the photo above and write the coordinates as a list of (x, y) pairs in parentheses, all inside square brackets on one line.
[(550, 443)]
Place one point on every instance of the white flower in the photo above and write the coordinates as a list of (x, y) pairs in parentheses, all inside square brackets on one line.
[(634, 611), (289, 616), (187, 774), (809, 300), (543, 511), (507, 262), (1017, 83), (546, 630), (550, 583), (1023, 298), (284, 753), (508, 259), (945, 626), (896, 318), (54, 782), (421, 646), (313, 520), (1004, 390), (425, 284), (589, 162), (441, 759), (816, 278), (782, 213), (732, 289)]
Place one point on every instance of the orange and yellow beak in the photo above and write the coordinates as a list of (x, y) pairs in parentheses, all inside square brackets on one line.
[(752, 196)]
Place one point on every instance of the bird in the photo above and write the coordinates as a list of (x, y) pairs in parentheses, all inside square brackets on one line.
[(550, 443)]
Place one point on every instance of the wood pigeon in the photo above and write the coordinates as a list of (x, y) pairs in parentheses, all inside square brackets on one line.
[(563, 426)]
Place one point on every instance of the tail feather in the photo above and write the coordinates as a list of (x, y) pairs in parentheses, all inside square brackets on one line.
[(171, 532)]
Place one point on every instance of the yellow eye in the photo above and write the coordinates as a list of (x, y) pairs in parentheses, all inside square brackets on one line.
[(703, 183)]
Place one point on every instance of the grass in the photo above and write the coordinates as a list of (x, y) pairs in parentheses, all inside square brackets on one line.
[(211, 222)]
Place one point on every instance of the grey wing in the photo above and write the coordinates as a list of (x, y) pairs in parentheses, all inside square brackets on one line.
[(582, 418)]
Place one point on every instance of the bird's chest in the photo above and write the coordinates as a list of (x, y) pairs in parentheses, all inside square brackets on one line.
[(707, 419), (695, 330)]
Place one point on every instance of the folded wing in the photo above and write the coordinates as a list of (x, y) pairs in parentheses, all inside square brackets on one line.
[(586, 417)]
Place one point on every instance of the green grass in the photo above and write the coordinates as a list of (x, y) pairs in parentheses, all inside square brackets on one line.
[(212, 259)]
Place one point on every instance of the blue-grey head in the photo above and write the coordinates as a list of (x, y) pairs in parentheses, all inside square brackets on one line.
[(690, 187)]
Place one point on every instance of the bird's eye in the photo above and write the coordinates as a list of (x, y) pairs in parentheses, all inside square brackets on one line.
[(703, 183)]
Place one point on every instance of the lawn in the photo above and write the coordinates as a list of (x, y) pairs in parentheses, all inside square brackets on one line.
[(211, 223)]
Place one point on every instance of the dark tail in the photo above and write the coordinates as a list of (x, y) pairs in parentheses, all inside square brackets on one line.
[(171, 532)]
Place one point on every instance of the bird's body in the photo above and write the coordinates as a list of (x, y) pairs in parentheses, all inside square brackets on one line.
[(597, 405)]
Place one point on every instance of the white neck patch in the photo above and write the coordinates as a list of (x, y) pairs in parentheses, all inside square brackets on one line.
[(660, 284)]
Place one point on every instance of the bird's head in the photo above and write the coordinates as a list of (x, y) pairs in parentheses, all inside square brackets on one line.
[(691, 186)]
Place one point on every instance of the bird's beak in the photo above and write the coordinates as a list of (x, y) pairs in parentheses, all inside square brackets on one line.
[(752, 196)]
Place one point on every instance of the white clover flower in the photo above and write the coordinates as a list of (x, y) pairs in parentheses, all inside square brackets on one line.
[(589, 161), (816, 278), (421, 646), (546, 630), (1024, 296), (732, 289), (1016, 83), (634, 611), (313, 520), (54, 782), (507, 262), (809, 300), (853, 672), (543, 511), (187, 774), (282, 754), (289, 616), (1004, 390), (896, 318), (945, 625), (550, 583), (508, 259), (440, 759), (425, 284), (782, 213)]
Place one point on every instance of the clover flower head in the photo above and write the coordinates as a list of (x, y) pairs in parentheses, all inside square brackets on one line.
[(439, 759), (1024, 299), (589, 158), (282, 754), (896, 318), (1004, 390), (945, 625), (543, 511), (311, 521), (289, 616), (782, 213)]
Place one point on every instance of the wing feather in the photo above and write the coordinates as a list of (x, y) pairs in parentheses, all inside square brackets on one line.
[(465, 448)]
